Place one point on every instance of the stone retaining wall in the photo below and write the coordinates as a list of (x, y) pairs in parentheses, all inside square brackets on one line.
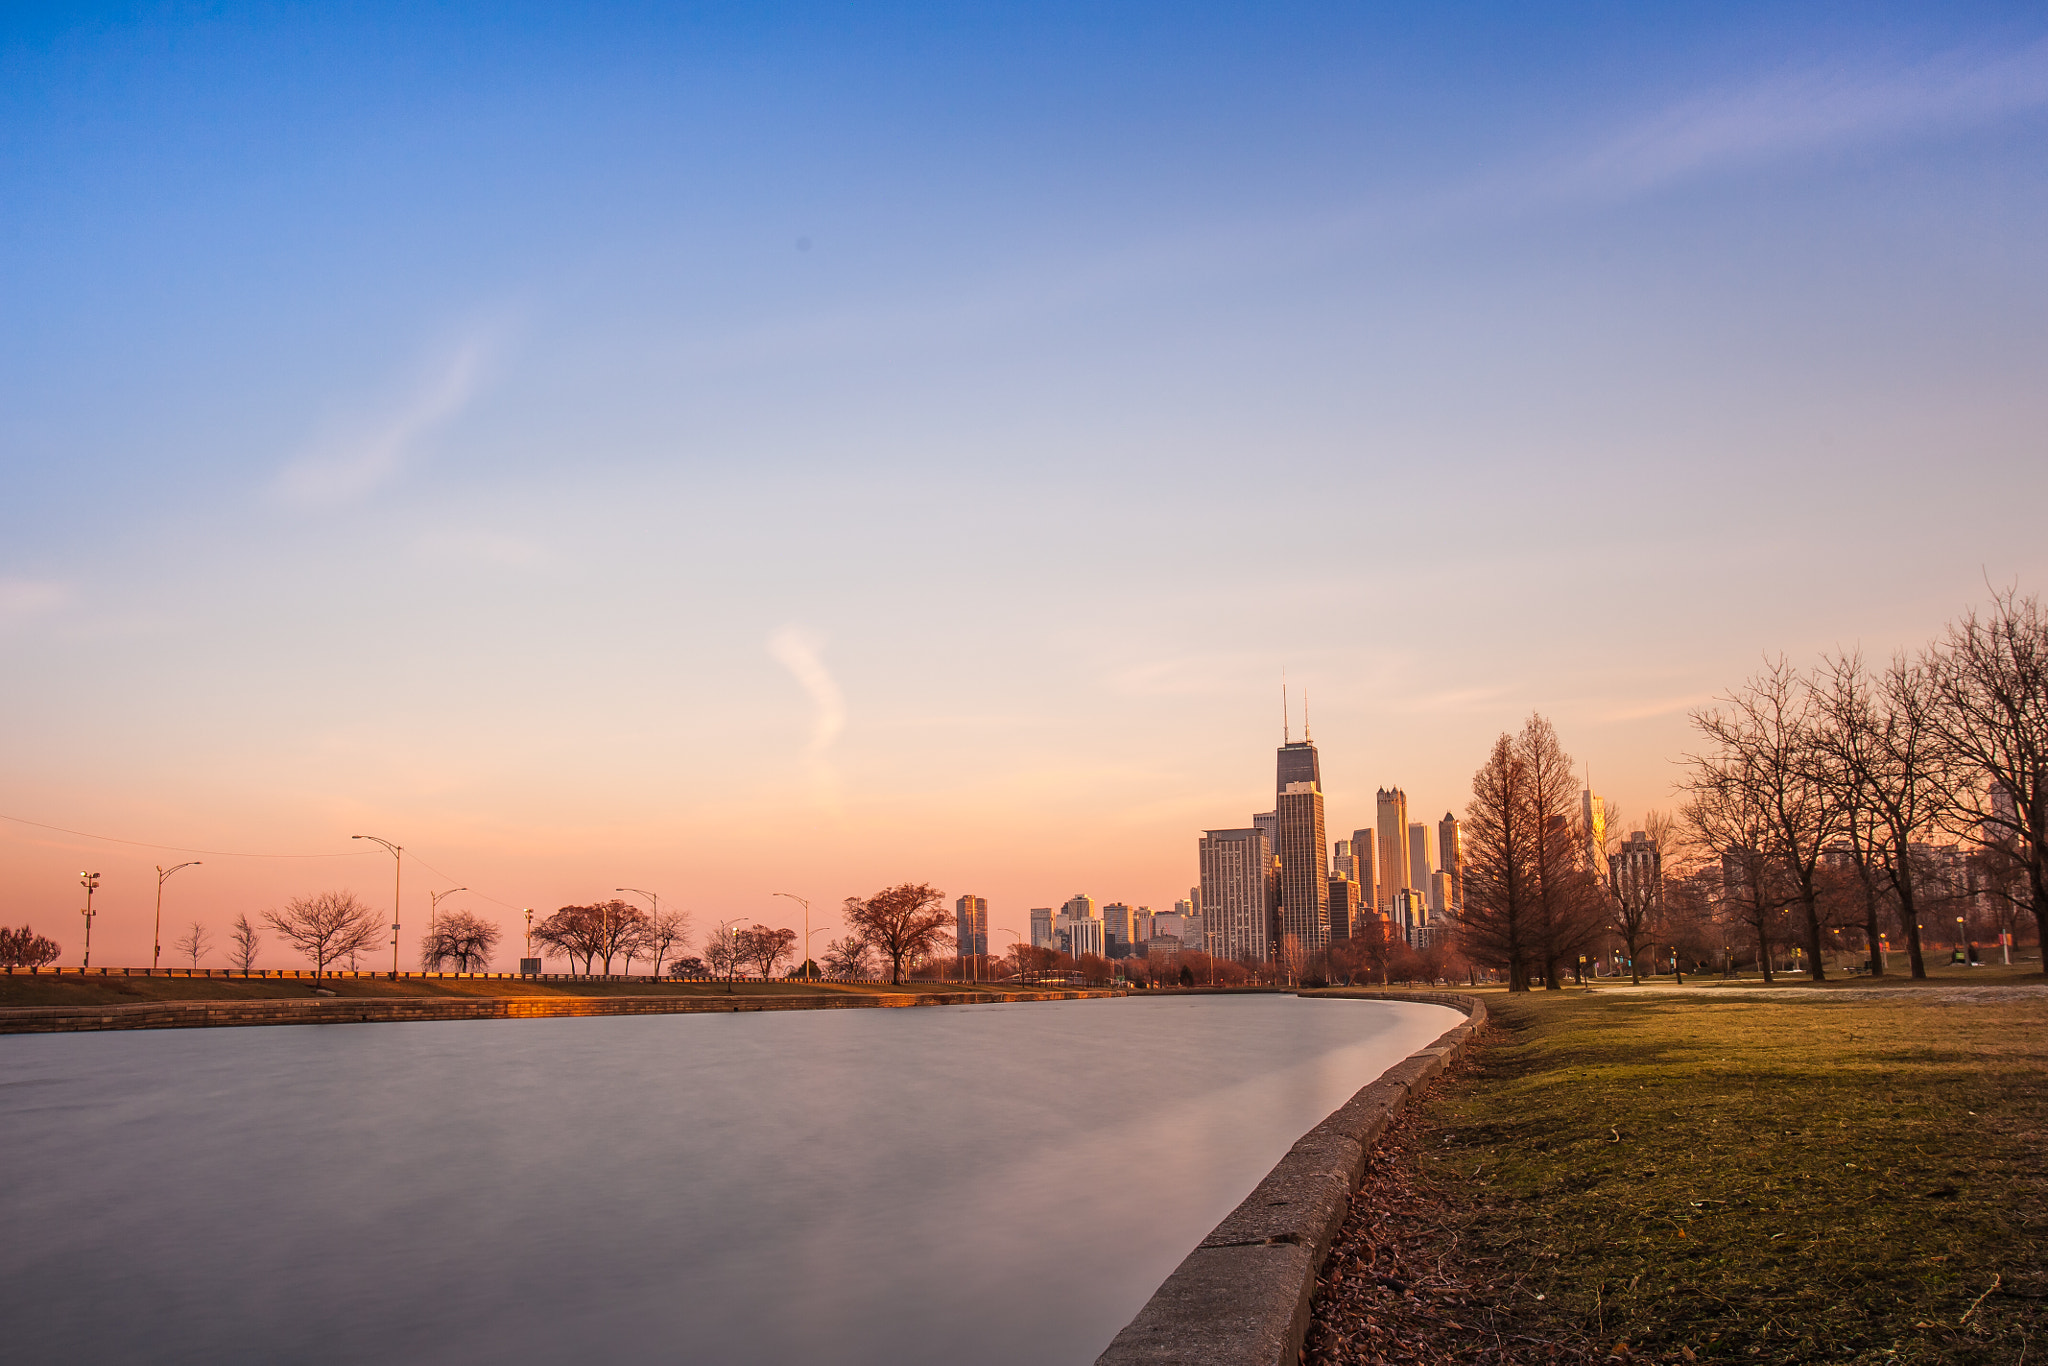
[(365, 1009), (1242, 1296)]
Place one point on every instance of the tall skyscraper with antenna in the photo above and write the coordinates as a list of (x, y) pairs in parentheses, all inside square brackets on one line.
[(1303, 848)]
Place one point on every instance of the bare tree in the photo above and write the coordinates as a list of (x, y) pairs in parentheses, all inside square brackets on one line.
[(722, 952), (663, 932), (194, 943), (24, 948), (1767, 736), (1882, 740), (763, 949), (1638, 893), (326, 926), (460, 940), (1496, 927), (903, 923), (849, 957), (576, 932), (1989, 677), (242, 944)]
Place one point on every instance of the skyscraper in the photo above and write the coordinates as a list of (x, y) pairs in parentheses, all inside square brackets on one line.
[(1347, 906), (1303, 848), (1238, 893), (1450, 853), (1078, 928), (1593, 814), (1420, 864), (1362, 863), (970, 927), (1041, 928), (1269, 821), (1393, 803)]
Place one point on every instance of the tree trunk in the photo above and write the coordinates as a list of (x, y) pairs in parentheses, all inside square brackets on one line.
[(1763, 949), (1812, 906)]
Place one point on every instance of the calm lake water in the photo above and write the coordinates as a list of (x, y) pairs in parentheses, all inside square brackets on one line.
[(986, 1184)]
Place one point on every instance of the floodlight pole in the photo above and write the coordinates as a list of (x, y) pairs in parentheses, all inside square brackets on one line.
[(91, 882)]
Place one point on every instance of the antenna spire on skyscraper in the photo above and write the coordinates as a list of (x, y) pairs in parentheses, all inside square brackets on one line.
[(1286, 721), (1306, 734)]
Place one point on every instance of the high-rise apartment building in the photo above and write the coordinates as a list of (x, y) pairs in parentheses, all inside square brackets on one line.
[(1393, 827), (1303, 848), (1347, 906), (1078, 929), (1269, 821), (1450, 854), (1041, 928), (970, 927), (1116, 923), (1636, 871), (1363, 862), (1239, 892), (1420, 864)]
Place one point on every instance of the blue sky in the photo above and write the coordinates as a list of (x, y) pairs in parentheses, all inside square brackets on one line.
[(841, 445)]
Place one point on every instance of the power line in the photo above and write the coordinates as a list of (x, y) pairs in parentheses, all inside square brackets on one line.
[(174, 848)]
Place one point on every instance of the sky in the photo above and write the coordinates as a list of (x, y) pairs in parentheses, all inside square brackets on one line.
[(738, 449)]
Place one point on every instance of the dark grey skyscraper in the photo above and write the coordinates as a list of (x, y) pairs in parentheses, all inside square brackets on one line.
[(1303, 848)]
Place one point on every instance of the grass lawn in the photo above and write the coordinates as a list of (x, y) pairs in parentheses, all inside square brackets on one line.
[(43, 989), (1810, 1177)]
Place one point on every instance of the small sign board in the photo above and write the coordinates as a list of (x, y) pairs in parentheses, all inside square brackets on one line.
[(529, 967)]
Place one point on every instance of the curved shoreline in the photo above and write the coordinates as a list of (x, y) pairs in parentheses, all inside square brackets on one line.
[(1242, 1296)]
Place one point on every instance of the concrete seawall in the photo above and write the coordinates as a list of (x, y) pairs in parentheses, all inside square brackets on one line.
[(1241, 1298), (362, 1010)]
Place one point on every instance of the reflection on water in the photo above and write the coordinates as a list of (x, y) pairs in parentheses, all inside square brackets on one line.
[(980, 1183)]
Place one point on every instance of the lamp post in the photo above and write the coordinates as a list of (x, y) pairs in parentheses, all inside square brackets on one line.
[(91, 882), (807, 928), (732, 944), (433, 910), (1004, 929), (397, 874), (529, 933), (162, 873), (653, 901)]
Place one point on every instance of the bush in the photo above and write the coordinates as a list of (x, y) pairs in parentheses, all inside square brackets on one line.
[(24, 948)]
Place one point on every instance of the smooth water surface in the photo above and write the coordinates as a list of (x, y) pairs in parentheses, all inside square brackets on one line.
[(980, 1183)]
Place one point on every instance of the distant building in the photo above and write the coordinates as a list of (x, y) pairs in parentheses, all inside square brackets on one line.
[(1239, 892), (1348, 906), (1078, 929), (1116, 924), (1362, 863), (1269, 821), (1636, 871), (1041, 928), (1443, 898), (1393, 849), (1593, 818), (1420, 864), (970, 927), (1168, 924), (1410, 918), (1450, 859)]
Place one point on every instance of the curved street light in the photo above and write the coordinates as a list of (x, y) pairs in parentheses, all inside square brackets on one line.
[(433, 911), (397, 874), (807, 929), (653, 901), (162, 875)]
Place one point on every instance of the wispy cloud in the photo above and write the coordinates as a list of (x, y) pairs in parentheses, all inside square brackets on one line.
[(1810, 110), (23, 599), (477, 546), (371, 451), (797, 651)]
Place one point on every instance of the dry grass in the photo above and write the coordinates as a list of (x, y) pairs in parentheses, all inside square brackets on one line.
[(1812, 1178)]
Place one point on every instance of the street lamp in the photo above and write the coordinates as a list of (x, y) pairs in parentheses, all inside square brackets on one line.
[(91, 882), (732, 947), (1004, 929), (433, 909), (807, 928), (397, 873), (653, 901), (529, 934), (161, 874)]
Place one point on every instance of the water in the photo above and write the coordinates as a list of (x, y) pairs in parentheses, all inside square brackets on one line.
[(992, 1184)]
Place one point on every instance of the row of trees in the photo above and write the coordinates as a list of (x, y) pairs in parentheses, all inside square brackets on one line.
[(1816, 805)]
